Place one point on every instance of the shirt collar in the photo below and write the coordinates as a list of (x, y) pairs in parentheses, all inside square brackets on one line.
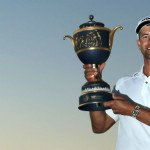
[(142, 75)]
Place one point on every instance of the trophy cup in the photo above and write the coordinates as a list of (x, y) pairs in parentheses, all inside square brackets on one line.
[(93, 43)]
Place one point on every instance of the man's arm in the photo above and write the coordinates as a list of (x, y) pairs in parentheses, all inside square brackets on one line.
[(123, 105), (144, 115), (100, 121)]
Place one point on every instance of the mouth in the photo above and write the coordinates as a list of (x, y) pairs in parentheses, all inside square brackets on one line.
[(147, 49)]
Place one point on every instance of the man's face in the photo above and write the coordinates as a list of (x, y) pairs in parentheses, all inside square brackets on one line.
[(144, 41)]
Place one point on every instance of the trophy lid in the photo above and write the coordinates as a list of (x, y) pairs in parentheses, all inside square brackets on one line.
[(91, 23)]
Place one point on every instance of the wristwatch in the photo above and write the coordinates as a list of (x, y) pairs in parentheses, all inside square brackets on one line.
[(136, 111)]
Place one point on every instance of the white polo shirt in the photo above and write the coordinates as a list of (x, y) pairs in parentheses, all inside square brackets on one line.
[(133, 134)]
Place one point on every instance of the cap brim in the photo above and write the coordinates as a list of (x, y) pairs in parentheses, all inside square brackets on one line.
[(141, 25)]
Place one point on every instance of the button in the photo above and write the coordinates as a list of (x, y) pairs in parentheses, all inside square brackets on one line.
[(146, 82)]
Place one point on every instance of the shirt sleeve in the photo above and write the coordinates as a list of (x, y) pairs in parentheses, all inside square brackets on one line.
[(109, 111), (112, 115)]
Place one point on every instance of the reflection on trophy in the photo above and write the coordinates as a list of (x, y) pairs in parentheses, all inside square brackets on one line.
[(93, 43)]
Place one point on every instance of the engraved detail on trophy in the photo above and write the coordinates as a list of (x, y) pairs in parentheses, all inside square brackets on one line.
[(86, 98), (92, 43), (92, 39)]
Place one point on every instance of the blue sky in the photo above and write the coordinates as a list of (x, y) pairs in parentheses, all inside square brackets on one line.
[(41, 76)]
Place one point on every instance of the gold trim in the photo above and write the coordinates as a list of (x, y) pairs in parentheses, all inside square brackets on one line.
[(91, 28), (91, 48), (89, 103), (95, 91)]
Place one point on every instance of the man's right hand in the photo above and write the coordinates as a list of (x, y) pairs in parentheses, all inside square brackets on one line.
[(93, 74)]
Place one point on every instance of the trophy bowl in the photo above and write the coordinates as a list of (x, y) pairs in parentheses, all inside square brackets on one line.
[(93, 43)]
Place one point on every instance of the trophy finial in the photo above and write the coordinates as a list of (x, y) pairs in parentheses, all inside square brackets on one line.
[(91, 17)]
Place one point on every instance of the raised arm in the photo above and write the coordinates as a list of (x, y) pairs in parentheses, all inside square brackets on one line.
[(100, 121)]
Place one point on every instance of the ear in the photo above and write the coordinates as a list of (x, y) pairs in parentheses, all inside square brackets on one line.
[(138, 43)]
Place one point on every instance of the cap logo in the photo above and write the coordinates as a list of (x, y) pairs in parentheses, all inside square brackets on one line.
[(146, 19)]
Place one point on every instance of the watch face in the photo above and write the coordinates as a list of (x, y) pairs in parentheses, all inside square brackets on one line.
[(136, 111)]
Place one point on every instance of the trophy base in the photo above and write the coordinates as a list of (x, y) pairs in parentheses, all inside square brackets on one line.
[(94, 95)]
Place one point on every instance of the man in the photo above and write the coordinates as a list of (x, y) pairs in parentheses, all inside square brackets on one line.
[(131, 100)]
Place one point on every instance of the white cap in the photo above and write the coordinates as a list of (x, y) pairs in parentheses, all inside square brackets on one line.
[(141, 23)]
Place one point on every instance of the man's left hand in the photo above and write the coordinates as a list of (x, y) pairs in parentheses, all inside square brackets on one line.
[(120, 105)]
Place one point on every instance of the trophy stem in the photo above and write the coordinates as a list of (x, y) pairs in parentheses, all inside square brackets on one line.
[(99, 77), (95, 66)]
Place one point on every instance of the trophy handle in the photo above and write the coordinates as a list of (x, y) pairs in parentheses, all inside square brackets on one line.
[(71, 38), (111, 36)]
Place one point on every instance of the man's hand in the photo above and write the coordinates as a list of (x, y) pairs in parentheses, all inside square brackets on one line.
[(92, 74), (120, 105)]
